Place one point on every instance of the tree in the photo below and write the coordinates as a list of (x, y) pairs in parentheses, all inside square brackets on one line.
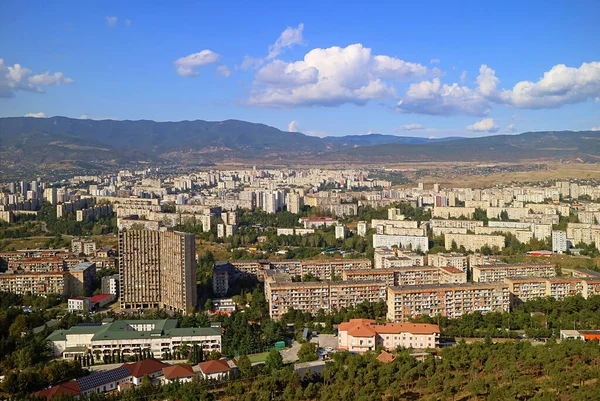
[(274, 360), (244, 365), (308, 352)]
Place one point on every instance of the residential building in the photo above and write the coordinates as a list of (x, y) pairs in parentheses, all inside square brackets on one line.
[(79, 305), (497, 273), (364, 335), (82, 278), (417, 243), (178, 373), (282, 294), (40, 284), (216, 370), (473, 242), (559, 241), (83, 246), (157, 270), (361, 228), (110, 285), (457, 260), (340, 232), (449, 300)]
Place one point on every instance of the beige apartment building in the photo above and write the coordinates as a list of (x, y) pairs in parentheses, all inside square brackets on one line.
[(446, 212), (364, 335), (497, 273), (474, 242), (157, 270), (467, 224), (457, 260), (41, 284), (282, 294), (450, 300)]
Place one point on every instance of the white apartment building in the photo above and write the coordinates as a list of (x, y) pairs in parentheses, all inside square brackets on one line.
[(401, 241), (559, 241)]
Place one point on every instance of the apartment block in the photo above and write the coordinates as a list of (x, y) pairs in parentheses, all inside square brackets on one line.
[(450, 300), (457, 260), (497, 273), (453, 212), (37, 265), (40, 284), (157, 270), (82, 278), (83, 246), (282, 294), (401, 241), (474, 242), (467, 224), (559, 241)]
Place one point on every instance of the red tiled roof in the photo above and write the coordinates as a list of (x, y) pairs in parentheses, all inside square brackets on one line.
[(368, 328), (100, 297), (145, 367), (386, 357), (68, 388), (176, 371), (210, 367)]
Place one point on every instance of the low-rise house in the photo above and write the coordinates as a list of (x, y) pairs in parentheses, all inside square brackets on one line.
[(146, 367), (179, 373), (214, 369)]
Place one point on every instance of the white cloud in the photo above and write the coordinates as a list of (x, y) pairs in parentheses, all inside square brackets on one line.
[(36, 115), (559, 86), (49, 79), (463, 76), (128, 22), (288, 38), (411, 127), (18, 78), (485, 125), (511, 128), (434, 61), (332, 76), (250, 62), (595, 129), (185, 65), (111, 21), (293, 126), (431, 97), (17, 73), (223, 70)]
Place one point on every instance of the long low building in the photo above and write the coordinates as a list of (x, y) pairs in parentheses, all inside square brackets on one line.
[(497, 273), (131, 336), (282, 294), (449, 300), (472, 242), (363, 335)]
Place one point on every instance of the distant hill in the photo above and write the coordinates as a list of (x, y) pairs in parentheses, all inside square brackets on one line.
[(352, 141), (42, 144), (549, 146)]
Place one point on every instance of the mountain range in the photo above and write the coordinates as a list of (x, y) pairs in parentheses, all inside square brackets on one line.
[(56, 142)]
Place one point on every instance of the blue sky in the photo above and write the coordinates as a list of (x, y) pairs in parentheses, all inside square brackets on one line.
[(332, 68)]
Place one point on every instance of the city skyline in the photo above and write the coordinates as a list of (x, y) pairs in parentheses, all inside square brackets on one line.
[(461, 71)]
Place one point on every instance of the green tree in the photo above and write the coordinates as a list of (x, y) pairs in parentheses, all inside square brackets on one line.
[(274, 361), (308, 352)]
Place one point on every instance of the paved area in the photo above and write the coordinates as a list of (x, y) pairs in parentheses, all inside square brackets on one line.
[(291, 354), (325, 340)]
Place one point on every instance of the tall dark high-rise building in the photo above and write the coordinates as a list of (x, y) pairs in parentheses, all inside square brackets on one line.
[(157, 269)]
